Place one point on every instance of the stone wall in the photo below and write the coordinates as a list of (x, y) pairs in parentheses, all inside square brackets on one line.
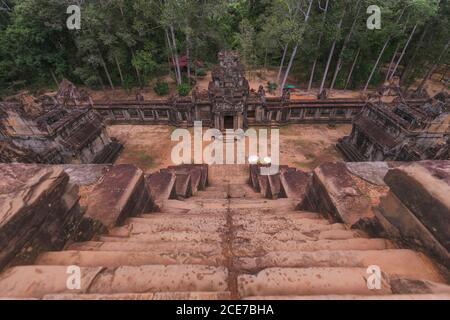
[(39, 211)]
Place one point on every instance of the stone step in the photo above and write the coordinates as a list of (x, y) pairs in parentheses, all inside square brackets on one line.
[(355, 297), (243, 191), (139, 225), (276, 205), (38, 281), (299, 236), (209, 194), (226, 295), (309, 281), (270, 227), (127, 258), (199, 206), (181, 236), (246, 247), (259, 213), (396, 262), (161, 247), (267, 215)]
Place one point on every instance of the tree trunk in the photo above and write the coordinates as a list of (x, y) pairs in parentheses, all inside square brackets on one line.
[(172, 62), (344, 46), (430, 72), (294, 52), (120, 71), (282, 64), (291, 60), (313, 70), (136, 69), (54, 78), (380, 55), (403, 52), (177, 61), (413, 57), (265, 61), (376, 64), (351, 69), (188, 57), (330, 56), (388, 73), (105, 67)]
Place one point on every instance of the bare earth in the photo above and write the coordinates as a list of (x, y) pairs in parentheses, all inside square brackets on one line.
[(302, 146)]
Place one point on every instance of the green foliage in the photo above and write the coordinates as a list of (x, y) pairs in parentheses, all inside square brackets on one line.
[(201, 72), (145, 63), (183, 89), (272, 86), (161, 88), (124, 42)]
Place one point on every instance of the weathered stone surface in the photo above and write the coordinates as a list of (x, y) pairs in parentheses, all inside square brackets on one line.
[(395, 262), (401, 224), (85, 174), (372, 172), (183, 186), (161, 185), (38, 281), (410, 286), (254, 173), (198, 175), (144, 296), (333, 191), (38, 211), (122, 193), (294, 183), (424, 189), (264, 186), (309, 281)]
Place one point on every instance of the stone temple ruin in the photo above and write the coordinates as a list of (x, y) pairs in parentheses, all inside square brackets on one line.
[(400, 132), (225, 231), (63, 128)]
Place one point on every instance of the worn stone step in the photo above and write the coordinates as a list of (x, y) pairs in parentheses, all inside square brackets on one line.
[(180, 236), (281, 220), (162, 247), (246, 247), (226, 295), (127, 258), (270, 215), (210, 194), (275, 205), (193, 203), (197, 206), (396, 262), (267, 226), (139, 225), (242, 191), (192, 215), (38, 281), (309, 281), (267, 236), (355, 297)]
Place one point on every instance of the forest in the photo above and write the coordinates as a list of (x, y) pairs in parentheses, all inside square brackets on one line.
[(323, 44)]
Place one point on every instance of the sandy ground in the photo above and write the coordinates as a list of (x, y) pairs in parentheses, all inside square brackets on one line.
[(255, 79), (302, 146)]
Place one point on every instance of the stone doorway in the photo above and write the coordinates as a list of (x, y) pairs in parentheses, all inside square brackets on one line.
[(228, 122)]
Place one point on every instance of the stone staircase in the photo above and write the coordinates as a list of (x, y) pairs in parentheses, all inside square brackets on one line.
[(228, 242)]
